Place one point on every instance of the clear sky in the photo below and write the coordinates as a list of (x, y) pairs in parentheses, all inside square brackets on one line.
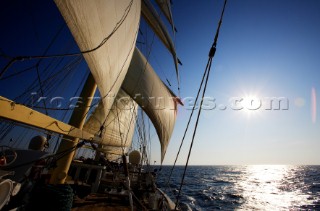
[(266, 49)]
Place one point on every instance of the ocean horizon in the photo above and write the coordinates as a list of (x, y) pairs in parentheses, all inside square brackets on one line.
[(244, 187)]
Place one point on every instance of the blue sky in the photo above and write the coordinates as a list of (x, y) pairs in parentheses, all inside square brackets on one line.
[(266, 48)]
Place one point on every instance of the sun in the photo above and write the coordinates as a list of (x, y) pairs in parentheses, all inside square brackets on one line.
[(251, 102), (251, 105)]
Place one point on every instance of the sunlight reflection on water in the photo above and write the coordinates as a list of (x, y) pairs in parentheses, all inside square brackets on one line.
[(257, 187), (270, 187)]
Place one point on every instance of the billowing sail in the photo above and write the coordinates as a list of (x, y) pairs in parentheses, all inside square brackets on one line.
[(109, 29), (153, 19), (158, 102), (113, 153), (116, 130), (165, 6)]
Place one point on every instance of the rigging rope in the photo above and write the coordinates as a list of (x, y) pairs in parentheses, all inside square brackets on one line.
[(38, 64), (22, 58), (149, 50), (41, 89), (134, 114), (147, 59), (207, 73), (114, 83), (57, 155), (17, 73), (6, 131), (64, 115), (119, 127), (190, 117)]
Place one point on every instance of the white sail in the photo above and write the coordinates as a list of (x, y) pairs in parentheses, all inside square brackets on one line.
[(113, 153), (116, 129), (111, 27), (158, 102), (112, 157), (153, 19), (165, 6)]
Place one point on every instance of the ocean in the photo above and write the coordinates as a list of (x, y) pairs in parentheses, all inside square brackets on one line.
[(252, 187)]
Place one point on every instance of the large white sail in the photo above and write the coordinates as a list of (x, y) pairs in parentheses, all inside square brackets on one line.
[(165, 6), (153, 19), (111, 26), (158, 102), (115, 130)]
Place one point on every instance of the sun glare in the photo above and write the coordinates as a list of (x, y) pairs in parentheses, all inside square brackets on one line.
[(251, 105), (268, 184)]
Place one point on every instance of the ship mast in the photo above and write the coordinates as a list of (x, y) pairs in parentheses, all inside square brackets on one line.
[(78, 117)]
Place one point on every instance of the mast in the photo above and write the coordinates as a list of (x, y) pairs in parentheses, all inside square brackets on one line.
[(78, 117)]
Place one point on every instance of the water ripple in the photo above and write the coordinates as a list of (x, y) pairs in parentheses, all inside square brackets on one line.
[(246, 187)]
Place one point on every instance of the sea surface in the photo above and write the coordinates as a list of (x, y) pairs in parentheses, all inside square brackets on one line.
[(253, 187)]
